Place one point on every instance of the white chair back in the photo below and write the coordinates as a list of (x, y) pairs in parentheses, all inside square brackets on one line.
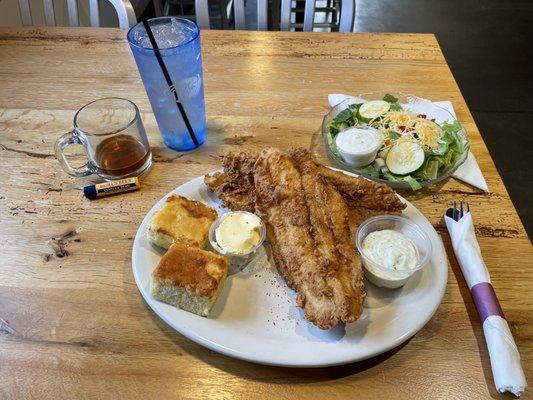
[(202, 14), (346, 21), (125, 13)]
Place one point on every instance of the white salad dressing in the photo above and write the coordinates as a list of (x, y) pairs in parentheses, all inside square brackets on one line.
[(358, 140), (392, 251), (359, 146)]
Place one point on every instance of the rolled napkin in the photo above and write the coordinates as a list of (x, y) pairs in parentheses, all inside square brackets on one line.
[(504, 357), (469, 172)]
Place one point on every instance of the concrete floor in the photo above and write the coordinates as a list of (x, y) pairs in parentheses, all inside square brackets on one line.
[(488, 46)]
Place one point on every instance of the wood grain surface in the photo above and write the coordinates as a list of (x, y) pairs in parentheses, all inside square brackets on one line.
[(72, 322)]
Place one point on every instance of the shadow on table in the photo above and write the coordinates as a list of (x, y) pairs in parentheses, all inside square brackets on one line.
[(265, 373)]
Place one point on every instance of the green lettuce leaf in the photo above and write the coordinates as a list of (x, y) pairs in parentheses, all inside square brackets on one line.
[(343, 116), (344, 119), (394, 135), (391, 177), (412, 182), (331, 145), (396, 107), (389, 98), (429, 170), (370, 170), (452, 147)]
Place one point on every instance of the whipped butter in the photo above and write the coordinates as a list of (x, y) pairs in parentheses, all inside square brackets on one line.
[(238, 233)]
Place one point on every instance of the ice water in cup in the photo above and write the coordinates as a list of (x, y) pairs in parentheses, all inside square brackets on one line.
[(179, 42)]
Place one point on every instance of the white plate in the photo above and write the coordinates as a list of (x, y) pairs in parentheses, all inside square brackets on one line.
[(255, 318)]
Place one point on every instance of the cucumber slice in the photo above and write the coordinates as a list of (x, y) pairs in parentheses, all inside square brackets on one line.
[(405, 157), (373, 109)]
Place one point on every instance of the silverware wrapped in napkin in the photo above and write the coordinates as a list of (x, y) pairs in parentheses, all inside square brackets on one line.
[(504, 357)]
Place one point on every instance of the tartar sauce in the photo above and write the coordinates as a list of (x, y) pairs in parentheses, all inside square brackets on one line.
[(390, 249), (359, 146), (238, 233)]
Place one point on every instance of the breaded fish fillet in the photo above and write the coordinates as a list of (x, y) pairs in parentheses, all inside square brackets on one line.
[(307, 226), (235, 187), (366, 193)]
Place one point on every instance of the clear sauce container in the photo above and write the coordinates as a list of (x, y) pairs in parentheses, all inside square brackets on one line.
[(239, 256), (387, 273), (359, 145)]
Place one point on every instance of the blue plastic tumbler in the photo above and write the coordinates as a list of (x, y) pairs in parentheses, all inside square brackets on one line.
[(178, 43)]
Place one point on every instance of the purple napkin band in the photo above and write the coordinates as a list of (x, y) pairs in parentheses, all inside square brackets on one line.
[(486, 301)]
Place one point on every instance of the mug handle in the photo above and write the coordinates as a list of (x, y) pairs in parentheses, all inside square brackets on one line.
[(66, 140)]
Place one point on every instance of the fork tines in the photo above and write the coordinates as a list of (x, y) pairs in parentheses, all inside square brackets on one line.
[(458, 213)]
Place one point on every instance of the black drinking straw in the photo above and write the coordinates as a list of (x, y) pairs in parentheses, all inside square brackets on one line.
[(169, 81)]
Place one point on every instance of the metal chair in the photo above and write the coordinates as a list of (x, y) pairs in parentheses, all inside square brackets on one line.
[(125, 13), (233, 7), (346, 9), (340, 12)]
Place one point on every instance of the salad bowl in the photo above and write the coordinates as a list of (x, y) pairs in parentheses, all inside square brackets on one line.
[(436, 142)]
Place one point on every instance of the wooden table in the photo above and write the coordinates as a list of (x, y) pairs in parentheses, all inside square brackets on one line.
[(72, 322)]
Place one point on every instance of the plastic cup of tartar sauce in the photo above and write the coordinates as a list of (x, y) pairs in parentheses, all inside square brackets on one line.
[(392, 249)]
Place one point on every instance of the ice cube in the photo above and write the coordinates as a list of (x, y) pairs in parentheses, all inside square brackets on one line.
[(171, 33)]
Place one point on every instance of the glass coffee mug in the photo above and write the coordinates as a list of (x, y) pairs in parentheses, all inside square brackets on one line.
[(113, 136)]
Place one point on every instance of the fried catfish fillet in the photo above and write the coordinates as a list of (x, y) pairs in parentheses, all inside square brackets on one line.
[(363, 192), (235, 187), (364, 198), (307, 226)]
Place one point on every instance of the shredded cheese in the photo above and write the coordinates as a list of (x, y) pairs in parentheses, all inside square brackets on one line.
[(410, 127), (428, 133)]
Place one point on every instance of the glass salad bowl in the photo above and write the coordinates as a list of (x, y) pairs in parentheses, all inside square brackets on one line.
[(431, 164)]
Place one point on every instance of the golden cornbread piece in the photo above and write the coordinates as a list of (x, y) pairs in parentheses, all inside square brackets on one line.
[(181, 220), (189, 278)]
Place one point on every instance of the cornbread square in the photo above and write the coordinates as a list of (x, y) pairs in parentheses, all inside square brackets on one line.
[(189, 278), (181, 220)]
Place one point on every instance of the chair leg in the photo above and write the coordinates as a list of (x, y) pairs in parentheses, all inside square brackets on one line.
[(347, 15), (299, 16), (158, 8), (223, 4), (275, 15)]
